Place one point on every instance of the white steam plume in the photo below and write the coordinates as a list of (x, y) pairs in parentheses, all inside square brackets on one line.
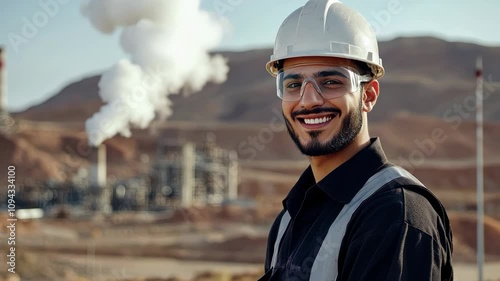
[(168, 42)]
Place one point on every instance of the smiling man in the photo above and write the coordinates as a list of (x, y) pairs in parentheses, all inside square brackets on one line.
[(351, 215)]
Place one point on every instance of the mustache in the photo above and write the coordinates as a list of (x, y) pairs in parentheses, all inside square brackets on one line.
[(315, 111)]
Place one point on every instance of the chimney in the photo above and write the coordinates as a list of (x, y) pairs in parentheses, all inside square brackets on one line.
[(3, 82), (97, 171)]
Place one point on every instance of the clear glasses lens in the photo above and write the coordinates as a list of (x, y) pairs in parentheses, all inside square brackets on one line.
[(330, 82)]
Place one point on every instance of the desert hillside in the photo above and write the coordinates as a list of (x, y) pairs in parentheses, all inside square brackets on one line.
[(426, 76)]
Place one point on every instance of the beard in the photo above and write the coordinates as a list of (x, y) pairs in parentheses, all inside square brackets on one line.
[(350, 128)]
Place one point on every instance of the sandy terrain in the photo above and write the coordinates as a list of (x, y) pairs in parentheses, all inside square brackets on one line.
[(105, 268), (468, 272), (130, 246)]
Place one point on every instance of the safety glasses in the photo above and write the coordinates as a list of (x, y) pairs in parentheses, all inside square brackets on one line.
[(329, 81)]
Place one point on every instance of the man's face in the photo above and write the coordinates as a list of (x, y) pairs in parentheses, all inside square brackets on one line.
[(320, 126)]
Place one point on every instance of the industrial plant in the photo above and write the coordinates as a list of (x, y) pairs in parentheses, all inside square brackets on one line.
[(182, 175)]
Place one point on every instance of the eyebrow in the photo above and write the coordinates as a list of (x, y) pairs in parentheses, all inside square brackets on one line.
[(324, 73), (293, 76)]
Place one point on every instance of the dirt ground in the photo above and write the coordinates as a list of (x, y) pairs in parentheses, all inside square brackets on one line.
[(105, 268), (187, 246), (69, 267), (469, 272)]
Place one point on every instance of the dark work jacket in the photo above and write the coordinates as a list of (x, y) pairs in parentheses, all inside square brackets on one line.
[(401, 232)]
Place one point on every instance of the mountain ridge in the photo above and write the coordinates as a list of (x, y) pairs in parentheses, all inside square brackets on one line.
[(433, 74)]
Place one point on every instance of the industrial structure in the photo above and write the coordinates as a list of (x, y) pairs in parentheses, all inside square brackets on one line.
[(187, 174), (183, 174), (97, 168), (99, 193)]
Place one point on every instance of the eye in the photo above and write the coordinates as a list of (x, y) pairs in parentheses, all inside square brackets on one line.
[(333, 82), (293, 85)]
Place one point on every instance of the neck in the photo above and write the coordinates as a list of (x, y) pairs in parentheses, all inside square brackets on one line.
[(322, 165)]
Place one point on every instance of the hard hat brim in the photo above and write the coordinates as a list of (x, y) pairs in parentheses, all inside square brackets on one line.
[(377, 70)]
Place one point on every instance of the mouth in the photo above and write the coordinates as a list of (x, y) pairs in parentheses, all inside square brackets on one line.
[(316, 121)]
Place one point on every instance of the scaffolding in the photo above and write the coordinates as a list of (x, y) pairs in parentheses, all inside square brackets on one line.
[(186, 174)]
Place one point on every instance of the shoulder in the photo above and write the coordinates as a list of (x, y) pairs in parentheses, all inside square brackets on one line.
[(401, 203)]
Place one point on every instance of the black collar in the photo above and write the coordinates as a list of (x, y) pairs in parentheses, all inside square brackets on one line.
[(341, 184)]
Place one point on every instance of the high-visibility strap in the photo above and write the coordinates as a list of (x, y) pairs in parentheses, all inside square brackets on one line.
[(325, 266), (285, 219)]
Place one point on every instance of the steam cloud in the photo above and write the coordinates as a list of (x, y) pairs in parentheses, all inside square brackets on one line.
[(168, 43)]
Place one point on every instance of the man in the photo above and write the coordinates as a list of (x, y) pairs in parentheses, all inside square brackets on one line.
[(351, 215)]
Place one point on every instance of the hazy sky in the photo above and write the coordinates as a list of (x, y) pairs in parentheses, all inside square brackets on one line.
[(66, 48)]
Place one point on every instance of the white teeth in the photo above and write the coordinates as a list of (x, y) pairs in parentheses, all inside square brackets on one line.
[(318, 120)]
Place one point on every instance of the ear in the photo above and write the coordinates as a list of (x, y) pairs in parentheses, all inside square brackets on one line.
[(370, 95)]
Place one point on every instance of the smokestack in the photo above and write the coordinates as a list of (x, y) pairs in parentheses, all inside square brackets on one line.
[(97, 170), (3, 82)]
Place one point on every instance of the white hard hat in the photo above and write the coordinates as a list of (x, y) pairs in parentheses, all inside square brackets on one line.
[(326, 28)]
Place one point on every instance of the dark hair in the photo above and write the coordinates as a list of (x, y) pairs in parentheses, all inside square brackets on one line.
[(363, 68), (279, 65)]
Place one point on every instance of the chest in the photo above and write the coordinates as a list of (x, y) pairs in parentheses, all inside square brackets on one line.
[(304, 235)]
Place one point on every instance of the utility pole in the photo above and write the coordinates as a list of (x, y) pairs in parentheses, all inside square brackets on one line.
[(479, 172)]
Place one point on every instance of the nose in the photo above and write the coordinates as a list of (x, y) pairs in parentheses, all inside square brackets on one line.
[(311, 96)]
